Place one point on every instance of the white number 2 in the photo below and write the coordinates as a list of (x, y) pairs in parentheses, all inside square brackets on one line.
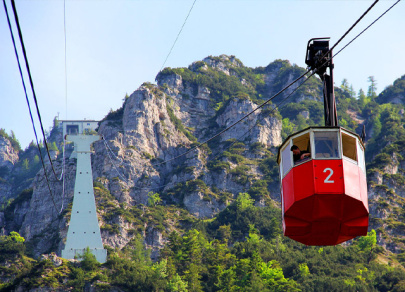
[(327, 181)]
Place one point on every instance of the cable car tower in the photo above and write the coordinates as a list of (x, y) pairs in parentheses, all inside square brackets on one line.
[(323, 183), (84, 230)]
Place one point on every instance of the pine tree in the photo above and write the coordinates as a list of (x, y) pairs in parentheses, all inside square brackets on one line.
[(372, 89), (345, 85)]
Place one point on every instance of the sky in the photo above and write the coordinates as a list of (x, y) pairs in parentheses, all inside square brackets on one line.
[(113, 46)]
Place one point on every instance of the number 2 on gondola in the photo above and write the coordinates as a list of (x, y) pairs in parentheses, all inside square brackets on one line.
[(327, 179)]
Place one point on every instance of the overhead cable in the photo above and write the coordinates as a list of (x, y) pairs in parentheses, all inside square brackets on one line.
[(28, 103), (32, 84), (109, 150), (366, 28), (218, 134), (64, 32), (181, 29), (354, 24), (63, 174), (235, 123), (314, 71), (272, 110)]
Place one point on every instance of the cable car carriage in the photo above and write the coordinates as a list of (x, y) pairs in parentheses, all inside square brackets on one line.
[(323, 192), (324, 196)]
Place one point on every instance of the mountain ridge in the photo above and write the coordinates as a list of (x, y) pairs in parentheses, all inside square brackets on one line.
[(158, 123)]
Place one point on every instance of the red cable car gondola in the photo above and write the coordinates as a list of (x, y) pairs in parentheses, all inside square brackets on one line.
[(324, 195)]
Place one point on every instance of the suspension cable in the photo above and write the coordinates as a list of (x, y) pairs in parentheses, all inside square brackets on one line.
[(28, 104), (181, 29), (63, 174), (64, 32), (213, 158), (345, 34), (31, 83), (235, 123), (366, 28)]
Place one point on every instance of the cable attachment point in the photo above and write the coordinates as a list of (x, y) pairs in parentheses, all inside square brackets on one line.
[(318, 55)]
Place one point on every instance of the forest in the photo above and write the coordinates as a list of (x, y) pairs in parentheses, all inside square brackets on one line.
[(242, 248)]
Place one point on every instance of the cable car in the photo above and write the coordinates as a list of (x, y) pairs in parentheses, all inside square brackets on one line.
[(324, 196), (323, 192)]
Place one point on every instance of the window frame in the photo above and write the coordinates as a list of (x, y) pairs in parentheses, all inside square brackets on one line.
[(70, 128), (338, 136), (362, 163), (287, 146), (308, 132), (356, 148)]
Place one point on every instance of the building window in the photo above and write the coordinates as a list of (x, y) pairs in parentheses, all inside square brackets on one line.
[(72, 129)]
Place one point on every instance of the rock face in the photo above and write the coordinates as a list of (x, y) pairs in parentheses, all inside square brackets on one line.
[(8, 155), (8, 158), (157, 123), (394, 93), (386, 192), (265, 129), (152, 145), (223, 63)]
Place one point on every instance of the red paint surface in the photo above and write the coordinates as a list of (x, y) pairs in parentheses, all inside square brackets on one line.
[(325, 202), (328, 176), (303, 181), (363, 188), (352, 179)]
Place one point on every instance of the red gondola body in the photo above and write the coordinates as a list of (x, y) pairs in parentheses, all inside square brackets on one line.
[(324, 198)]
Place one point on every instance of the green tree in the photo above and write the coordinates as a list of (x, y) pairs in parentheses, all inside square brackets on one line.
[(36, 159), (53, 146), (26, 164), (16, 237), (88, 261), (14, 142), (11, 246), (372, 88), (352, 92), (345, 85), (56, 122), (227, 279), (160, 273), (176, 284), (254, 237), (348, 88), (273, 276), (139, 253), (367, 242), (304, 270), (361, 96), (259, 190), (77, 279), (244, 201), (153, 199), (287, 127), (301, 122), (225, 232)]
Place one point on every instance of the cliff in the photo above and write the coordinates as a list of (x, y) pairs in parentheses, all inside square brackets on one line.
[(141, 154)]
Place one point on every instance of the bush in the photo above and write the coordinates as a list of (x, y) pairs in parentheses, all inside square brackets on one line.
[(88, 261)]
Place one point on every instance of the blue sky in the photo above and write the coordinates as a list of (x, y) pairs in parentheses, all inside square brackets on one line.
[(112, 47)]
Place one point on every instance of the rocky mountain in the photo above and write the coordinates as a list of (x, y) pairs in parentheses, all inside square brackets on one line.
[(152, 176)]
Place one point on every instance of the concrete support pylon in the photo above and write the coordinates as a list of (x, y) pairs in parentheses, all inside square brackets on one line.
[(84, 230)]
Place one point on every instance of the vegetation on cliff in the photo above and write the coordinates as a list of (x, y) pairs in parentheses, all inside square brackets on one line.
[(241, 248)]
